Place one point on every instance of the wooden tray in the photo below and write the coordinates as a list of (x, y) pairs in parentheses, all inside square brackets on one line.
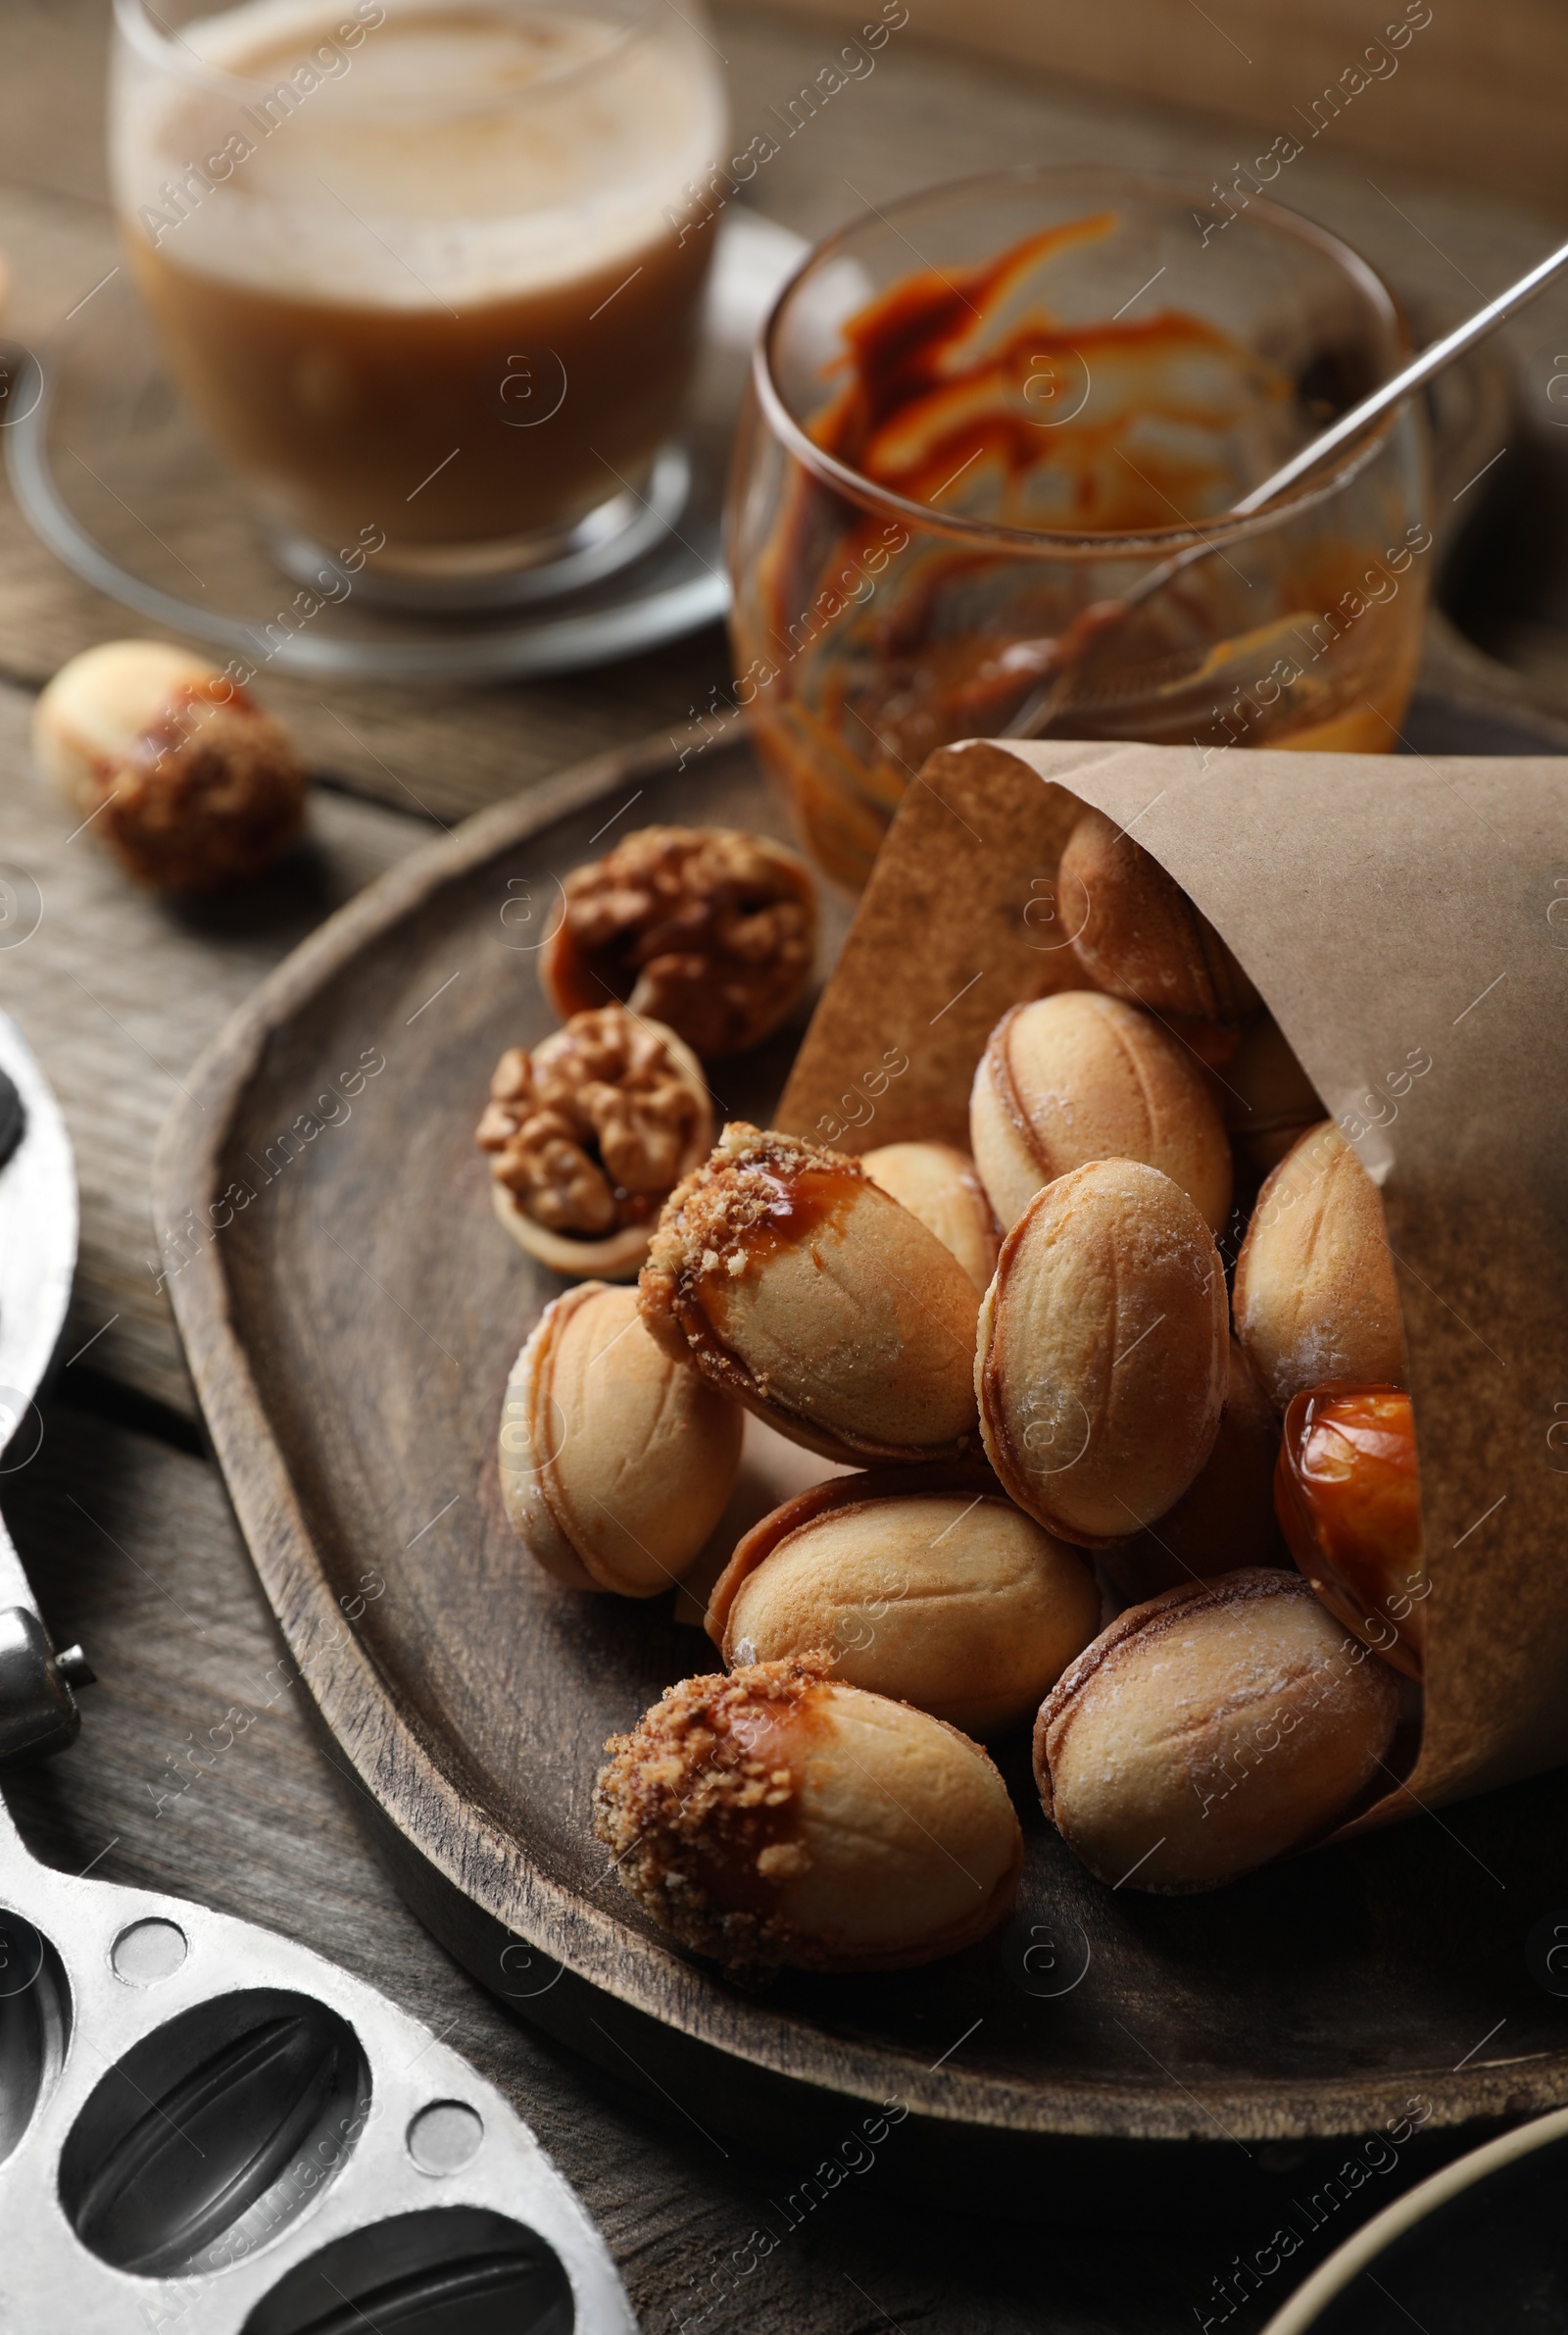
[(350, 1325)]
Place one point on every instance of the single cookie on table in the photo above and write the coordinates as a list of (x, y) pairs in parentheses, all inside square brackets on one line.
[(1136, 933), (774, 1817), (1348, 1492), (1225, 1519), (1316, 1299), (615, 1463), (795, 1284), (1211, 1730), (181, 774), (939, 1185), (1103, 1358), (588, 1134), (707, 929), (1077, 1078), (937, 1592)]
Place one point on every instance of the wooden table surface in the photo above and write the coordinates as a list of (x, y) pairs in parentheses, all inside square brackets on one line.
[(122, 1520)]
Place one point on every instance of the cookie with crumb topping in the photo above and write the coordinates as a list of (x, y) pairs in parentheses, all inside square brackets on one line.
[(774, 1817)]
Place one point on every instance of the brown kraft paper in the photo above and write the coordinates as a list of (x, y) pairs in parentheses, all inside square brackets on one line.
[(1406, 922)]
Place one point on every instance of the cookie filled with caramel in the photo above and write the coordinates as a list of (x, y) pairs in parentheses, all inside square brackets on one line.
[(797, 1285), (774, 1817)]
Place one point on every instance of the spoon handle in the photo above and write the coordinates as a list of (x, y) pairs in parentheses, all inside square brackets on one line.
[(1420, 370), (1049, 699)]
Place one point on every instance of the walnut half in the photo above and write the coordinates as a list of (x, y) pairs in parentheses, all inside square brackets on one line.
[(709, 930), (588, 1133)]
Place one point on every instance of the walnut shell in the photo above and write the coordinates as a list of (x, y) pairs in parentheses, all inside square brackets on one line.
[(939, 1185), (618, 1256), (775, 1816), (796, 1286), (707, 929), (1077, 1078), (181, 774), (1315, 1298), (1136, 933), (1103, 1347), (588, 1134), (941, 1594), (615, 1463), (1211, 1730), (1225, 1519)]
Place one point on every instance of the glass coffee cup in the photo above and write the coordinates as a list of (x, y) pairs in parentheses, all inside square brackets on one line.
[(422, 269), (979, 416)]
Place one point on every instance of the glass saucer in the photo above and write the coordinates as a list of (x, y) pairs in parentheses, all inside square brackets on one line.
[(112, 472)]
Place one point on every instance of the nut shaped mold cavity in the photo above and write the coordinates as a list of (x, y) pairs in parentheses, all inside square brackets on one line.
[(214, 2133), (35, 2023), (454, 2270)]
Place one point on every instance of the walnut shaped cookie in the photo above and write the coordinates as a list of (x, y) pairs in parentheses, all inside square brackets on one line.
[(183, 777), (707, 930), (588, 1134)]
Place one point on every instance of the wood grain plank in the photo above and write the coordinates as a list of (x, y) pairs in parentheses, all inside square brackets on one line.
[(1470, 91), (52, 59)]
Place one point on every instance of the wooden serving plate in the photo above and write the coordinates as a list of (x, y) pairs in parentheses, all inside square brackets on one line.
[(350, 1308)]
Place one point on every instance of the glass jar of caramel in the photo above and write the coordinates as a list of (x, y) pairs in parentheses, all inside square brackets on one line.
[(988, 410)]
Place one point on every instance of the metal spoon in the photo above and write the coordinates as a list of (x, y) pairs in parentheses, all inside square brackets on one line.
[(1046, 703)]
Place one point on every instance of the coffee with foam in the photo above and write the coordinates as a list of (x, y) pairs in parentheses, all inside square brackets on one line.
[(396, 237)]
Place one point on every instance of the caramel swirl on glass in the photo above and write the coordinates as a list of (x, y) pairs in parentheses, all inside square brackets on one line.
[(955, 466)]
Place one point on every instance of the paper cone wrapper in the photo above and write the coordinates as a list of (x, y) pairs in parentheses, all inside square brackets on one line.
[(1390, 910)]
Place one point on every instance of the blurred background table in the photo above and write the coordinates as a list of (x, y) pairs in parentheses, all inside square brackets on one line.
[(121, 1519)]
